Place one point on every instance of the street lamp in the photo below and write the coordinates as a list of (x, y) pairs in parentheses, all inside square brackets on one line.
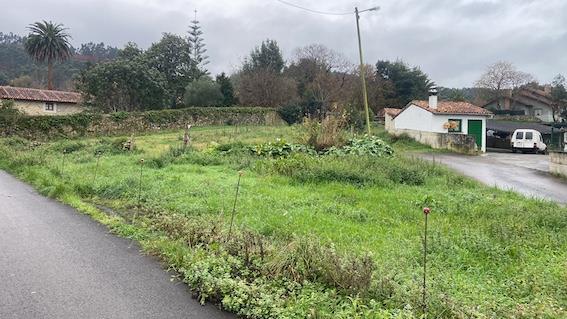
[(362, 72)]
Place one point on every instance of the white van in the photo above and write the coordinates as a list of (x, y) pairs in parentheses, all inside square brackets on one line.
[(526, 140)]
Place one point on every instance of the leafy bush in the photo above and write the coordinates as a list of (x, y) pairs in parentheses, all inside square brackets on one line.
[(280, 148), (367, 145), (69, 146), (203, 92), (291, 114), (9, 115), (324, 134), (110, 146)]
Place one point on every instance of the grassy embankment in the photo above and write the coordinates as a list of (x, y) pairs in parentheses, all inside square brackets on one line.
[(318, 237)]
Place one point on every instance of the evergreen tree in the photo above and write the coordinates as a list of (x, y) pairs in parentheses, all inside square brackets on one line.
[(267, 56), (197, 53), (226, 89)]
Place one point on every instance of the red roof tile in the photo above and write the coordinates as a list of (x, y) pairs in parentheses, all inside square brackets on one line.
[(450, 107), (390, 111), (18, 93)]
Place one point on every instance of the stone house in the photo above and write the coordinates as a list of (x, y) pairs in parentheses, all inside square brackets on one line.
[(42, 102), (526, 101), (460, 126)]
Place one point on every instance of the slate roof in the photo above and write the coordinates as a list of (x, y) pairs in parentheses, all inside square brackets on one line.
[(27, 94), (450, 107)]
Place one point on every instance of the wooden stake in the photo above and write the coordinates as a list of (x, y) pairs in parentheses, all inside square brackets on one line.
[(234, 206)]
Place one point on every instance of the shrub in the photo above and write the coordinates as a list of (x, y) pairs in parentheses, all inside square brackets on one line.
[(9, 115), (367, 145), (69, 146), (203, 92), (291, 114), (110, 146), (324, 134), (280, 148)]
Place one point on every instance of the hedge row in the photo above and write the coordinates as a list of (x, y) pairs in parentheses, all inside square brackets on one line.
[(88, 124)]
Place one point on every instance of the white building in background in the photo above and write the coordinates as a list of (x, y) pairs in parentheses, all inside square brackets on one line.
[(433, 122)]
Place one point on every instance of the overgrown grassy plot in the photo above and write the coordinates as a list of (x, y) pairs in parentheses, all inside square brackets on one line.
[(311, 229)]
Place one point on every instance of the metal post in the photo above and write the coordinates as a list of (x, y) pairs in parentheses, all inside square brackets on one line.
[(362, 73)]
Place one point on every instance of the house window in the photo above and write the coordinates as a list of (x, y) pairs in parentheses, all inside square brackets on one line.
[(50, 106), (538, 112), (455, 126)]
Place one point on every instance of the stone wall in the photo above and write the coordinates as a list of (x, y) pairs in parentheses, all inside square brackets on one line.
[(558, 163), (123, 123), (460, 143)]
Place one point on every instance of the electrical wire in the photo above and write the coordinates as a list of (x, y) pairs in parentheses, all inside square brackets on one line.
[(315, 11)]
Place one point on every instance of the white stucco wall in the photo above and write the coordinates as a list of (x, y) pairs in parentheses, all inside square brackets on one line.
[(416, 118)]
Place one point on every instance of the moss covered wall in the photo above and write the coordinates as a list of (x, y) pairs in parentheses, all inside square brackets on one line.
[(84, 124)]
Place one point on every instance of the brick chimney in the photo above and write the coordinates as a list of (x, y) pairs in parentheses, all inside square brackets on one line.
[(433, 98)]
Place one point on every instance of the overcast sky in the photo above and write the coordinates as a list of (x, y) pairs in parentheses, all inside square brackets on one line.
[(451, 40)]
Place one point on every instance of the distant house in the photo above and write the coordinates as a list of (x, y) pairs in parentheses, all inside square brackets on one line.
[(42, 102), (387, 116), (526, 101), (443, 124)]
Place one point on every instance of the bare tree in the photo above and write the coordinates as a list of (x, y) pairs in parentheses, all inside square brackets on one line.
[(265, 88), (501, 78), (322, 75)]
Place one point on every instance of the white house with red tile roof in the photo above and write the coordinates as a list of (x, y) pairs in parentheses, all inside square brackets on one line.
[(442, 119), (42, 102)]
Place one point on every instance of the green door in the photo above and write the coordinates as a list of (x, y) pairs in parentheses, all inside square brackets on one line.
[(475, 129)]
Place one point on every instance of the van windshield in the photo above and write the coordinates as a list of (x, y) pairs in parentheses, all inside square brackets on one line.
[(519, 135), (529, 135)]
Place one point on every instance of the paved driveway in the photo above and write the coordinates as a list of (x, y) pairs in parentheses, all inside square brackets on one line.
[(524, 173), (57, 263)]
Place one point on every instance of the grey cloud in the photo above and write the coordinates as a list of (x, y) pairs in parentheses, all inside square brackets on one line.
[(452, 40)]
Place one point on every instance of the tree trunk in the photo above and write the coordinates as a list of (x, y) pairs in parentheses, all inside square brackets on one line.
[(50, 75)]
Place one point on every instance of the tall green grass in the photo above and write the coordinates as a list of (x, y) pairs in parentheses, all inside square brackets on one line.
[(324, 223)]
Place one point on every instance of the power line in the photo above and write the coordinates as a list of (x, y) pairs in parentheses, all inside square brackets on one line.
[(314, 11)]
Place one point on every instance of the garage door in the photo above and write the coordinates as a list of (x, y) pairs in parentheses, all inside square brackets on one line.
[(475, 129)]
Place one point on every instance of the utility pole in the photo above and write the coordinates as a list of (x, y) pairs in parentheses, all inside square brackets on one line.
[(362, 68)]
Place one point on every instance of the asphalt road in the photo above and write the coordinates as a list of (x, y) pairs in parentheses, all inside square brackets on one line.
[(57, 263), (524, 173)]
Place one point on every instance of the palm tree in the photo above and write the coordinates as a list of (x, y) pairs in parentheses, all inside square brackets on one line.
[(48, 42)]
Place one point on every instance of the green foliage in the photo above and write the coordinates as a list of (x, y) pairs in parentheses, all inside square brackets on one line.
[(226, 89), (123, 85), (53, 127), (268, 56), (197, 51), (9, 116), (356, 170), (367, 145), (48, 42), (203, 92), (324, 134), (408, 83), (280, 148), (291, 113), (171, 58), (315, 236)]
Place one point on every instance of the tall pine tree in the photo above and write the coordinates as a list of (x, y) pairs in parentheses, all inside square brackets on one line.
[(200, 60)]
